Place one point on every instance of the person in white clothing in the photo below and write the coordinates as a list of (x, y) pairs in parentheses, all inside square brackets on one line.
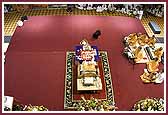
[(19, 23), (140, 13), (160, 77), (90, 7)]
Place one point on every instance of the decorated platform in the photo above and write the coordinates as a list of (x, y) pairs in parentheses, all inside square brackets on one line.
[(72, 96)]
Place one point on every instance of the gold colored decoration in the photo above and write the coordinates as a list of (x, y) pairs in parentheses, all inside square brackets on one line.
[(95, 105)]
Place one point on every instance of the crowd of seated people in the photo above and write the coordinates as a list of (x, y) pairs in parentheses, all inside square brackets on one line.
[(133, 51), (138, 39), (138, 10), (135, 39), (135, 42), (156, 9)]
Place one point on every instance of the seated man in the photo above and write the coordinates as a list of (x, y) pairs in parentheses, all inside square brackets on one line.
[(128, 53), (132, 39), (147, 77), (143, 39), (151, 41), (159, 77), (85, 44), (158, 53), (153, 65), (138, 54)]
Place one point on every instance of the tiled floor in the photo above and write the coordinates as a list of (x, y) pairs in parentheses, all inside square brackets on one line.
[(10, 19)]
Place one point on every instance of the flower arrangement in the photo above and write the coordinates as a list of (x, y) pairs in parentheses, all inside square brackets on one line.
[(95, 105), (35, 108), (21, 107), (149, 105)]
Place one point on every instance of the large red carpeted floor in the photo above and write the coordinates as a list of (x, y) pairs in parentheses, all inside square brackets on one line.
[(35, 59)]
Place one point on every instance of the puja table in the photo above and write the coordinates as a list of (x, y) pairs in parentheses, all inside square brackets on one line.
[(88, 75)]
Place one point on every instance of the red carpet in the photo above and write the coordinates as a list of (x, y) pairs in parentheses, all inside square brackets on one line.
[(35, 61)]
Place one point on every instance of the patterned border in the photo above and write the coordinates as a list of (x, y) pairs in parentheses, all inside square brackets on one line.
[(69, 103)]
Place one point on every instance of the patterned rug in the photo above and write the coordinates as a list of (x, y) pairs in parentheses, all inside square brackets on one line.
[(69, 101)]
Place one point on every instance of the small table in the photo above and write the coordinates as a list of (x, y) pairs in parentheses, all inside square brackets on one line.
[(97, 85)]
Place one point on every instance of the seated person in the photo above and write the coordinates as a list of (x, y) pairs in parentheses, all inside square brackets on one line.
[(153, 65), (138, 54), (139, 34), (128, 53), (158, 53), (147, 77), (142, 39), (132, 39), (159, 77), (20, 23), (96, 34), (151, 41), (85, 44)]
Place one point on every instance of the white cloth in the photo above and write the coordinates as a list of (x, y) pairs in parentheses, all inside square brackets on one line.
[(160, 77), (88, 80)]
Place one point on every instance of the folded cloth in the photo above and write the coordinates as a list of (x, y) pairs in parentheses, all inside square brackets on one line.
[(88, 81)]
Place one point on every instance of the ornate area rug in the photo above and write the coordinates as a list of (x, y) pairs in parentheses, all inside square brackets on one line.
[(71, 99)]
